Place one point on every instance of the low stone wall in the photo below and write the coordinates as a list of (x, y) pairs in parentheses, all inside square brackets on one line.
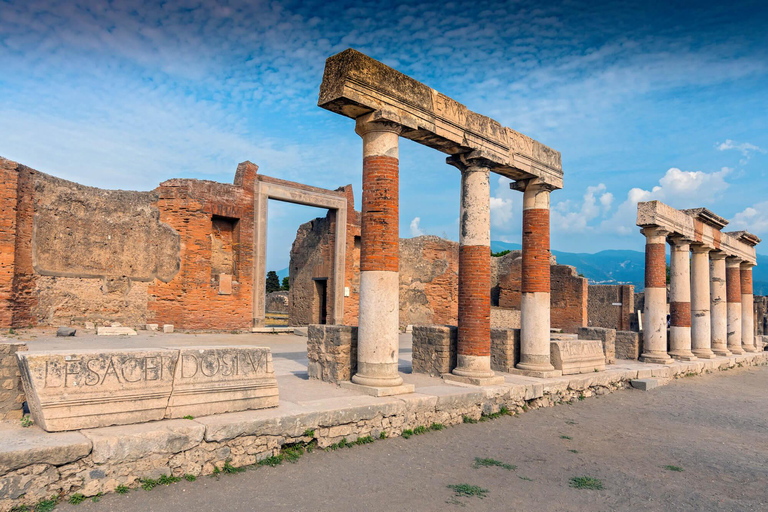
[(503, 318), (11, 390), (434, 349), (332, 352), (277, 302), (607, 336), (505, 349), (629, 345), (35, 465)]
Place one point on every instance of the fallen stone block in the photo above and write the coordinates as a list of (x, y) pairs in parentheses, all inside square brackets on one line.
[(150, 327), (90, 326), (577, 356), (115, 331), (644, 384), (607, 336), (63, 332), (168, 328)]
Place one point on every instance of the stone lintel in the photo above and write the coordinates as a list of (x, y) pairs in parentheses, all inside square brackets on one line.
[(746, 237), (707, 217), (656, 213), (355, 84)]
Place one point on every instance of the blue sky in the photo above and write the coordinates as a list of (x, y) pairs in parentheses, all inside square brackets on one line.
[(667, 101)]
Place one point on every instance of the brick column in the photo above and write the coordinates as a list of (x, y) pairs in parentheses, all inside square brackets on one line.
[(701, 327), (378, 333), (747, 309), (733, 296), (535, 286), (655, 309), (719, 307), (680, 299), (473, 347)]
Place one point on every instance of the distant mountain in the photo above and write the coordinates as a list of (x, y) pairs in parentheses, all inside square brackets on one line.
[(282, 273), (610, 267)]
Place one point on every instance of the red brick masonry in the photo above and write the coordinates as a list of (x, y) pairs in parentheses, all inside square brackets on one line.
[(680, 314), (380, 214), (746, 281), (655, 266), (474, 338), (733, 284), (535, 250)]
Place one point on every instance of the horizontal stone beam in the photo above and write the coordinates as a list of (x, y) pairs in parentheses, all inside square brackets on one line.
[(355, 84), (689, 226)]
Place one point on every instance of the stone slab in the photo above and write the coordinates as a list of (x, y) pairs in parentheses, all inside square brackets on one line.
[(473, 381), (215, 380), (539, 374), (115, 331), (644, 384), (92, 388), (128, 443), (63, 332), (20, 447), (577, 356), (402, 389)]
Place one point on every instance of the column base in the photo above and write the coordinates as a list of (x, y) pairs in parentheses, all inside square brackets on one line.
[(493, 380), (656, 358), (736, 351), (390, 381), (682, 355), (703, 353), (721, 352), (402, 389), (749, 348)]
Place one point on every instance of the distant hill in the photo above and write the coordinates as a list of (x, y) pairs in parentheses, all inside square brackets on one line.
[(609, 267)]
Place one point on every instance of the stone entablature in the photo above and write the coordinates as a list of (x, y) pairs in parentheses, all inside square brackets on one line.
[(355, 84), (72, 390)]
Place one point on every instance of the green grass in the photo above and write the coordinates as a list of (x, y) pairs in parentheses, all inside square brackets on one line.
[(421, 429), (407, 433), (436, 426), (97, 498), (188, 417), (574, 451), (525, 478), (468, 491), (383, 435), (122, 489), (229, 469), (486, 463), (504, 411), (570, 422), (674, 468), (565, 437), (582, 397), (190, 478), (76, 498), (26, 421), (272, 461), (309, 433), (467, 419), (148, 483), (44, 505), (586, 482)]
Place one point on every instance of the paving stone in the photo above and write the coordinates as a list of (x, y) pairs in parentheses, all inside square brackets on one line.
[(20, 447), (63, 332), (644, 384)]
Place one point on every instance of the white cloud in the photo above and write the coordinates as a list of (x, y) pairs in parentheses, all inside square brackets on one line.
[(415, 228), (744, 148), (679, 189), (567, 217), (753, 219), (502, 204)]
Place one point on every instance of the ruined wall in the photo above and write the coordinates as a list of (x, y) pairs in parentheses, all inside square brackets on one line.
[(214, 221), (8, 200), (761, 315), (611, 306)]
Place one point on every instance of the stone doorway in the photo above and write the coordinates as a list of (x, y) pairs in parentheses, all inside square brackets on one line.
[(320, 301)]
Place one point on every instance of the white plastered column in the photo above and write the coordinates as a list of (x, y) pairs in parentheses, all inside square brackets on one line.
[(655, 307), (718, 304), (733, 296), (747, 309), (701, 327), (680, 299)]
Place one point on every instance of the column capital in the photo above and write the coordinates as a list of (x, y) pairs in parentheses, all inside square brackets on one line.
[(700, 249), (747, 265), (680, 241), (717, 255), (469, 162), (654, 234), (733, 262), (531, 185), (372, 122)]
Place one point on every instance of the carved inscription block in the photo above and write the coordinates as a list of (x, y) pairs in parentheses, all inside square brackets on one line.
[(92, 388), (222, 379), (95, 388), (577, 356)]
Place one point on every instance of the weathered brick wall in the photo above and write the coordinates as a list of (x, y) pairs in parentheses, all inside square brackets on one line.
[(434, 349), (24, 278), (198, 210), (332, 352), (8, 201), (11, 391), (761, 315), (611, 306), (629, 345)]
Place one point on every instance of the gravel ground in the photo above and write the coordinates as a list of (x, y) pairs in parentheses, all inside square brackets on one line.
[(714, 428)]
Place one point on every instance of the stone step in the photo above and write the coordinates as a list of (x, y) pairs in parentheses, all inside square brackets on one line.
[(560, 336)]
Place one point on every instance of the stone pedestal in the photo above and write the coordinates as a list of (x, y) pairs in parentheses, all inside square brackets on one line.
[(606, 336), (701, 327), (332, 352), (655, 307), (577, 356), (733, 295), (718, 304), (680, 300), (535, 286), (747, 309), (505, 349), (434, 349)]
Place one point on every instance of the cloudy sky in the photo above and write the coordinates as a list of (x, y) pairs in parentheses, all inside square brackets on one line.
[(646, 100)]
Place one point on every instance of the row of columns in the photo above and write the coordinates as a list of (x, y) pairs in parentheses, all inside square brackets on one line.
[(710, 301), (379, 259)]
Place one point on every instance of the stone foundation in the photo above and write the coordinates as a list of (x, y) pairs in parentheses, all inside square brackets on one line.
[(434, 349), (11, 391), (35, 465), (505, 349), (607, 336), (332, 352), (629, 345)]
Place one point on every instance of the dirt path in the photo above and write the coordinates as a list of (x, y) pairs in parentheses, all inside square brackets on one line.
[(714, 428)]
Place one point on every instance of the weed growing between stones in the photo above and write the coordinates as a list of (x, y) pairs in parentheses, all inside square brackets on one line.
[(566, 437), (76, 498), (486, 463), (420, 430), (468, 491), (467, 419), (673, 468), (188, 417), (586, 482), (229, 469), (272, 461), (525, 478), (581, 397), (503, 411), (190, 478), (44, 505), (309, 433), (97, 498), (407, 433), (26, 421), (574, 451), (122, 489), (383, 435)]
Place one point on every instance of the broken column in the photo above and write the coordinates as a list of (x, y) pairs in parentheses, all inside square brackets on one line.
[(747, 308), (719, 305), (680, 299), (701, 328), (534, 307), (733, 295), (655, 310), (473, 361), (378, 344)]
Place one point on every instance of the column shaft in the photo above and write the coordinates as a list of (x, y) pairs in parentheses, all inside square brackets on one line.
[(655, 309), (680, 300), (535, 303), (701, 326), (719, 306), (378, 343), (733, 296), (747, 309)]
